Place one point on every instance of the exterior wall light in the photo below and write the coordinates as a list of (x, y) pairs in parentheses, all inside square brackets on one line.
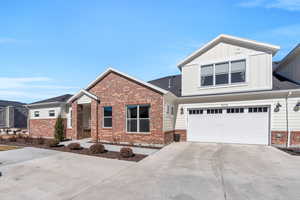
[(297, 107), (181, 111), (277, 107)]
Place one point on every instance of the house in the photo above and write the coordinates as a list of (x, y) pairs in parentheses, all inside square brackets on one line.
[(228, 91), (13, 115)]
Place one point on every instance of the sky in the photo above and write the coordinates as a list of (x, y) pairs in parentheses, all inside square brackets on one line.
[(54, 47)]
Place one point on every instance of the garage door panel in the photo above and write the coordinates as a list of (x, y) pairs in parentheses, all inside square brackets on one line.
[(244, 128)]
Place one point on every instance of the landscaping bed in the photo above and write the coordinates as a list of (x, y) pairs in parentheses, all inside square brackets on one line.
[(292, 151), (26, 141), (6, 147), (128, 145)]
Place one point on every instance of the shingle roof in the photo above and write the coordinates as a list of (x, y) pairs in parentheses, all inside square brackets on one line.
[(4, 103), (169, 83), (62, 98), (279, 83)]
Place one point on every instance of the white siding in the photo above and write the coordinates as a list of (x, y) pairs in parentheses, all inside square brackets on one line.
[(258, 70), (44, 112), (168, 118), (84, 100), (278, 119), (291, 69)]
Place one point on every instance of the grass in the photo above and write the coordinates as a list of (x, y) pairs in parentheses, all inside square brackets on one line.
[(6, 148)]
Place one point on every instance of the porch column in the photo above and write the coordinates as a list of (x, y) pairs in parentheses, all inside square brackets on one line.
[(77, 124), (94, 120)]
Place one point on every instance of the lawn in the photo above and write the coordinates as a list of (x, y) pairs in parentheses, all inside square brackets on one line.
[(6, 148)]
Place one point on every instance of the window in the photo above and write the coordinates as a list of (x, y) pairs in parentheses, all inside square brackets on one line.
[(207, 75), (223, 73), (195, 111), (235, 110), (214, 111), (36, 113), (238, 71), (257, 109), (51, 113), (138, 119), (107, 117)]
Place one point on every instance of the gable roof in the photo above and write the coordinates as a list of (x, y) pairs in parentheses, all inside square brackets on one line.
[(294, 52), (280, 83), (170, 83), (229, 39), (59, 99), (109, 70), (80, 93)]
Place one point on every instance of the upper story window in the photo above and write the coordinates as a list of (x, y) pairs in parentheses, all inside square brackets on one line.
[(223, 73), (36, 113), (51, 113)]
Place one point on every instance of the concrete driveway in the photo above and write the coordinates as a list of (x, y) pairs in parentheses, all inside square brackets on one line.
[(35, 174), (190, 171), (180, 171)]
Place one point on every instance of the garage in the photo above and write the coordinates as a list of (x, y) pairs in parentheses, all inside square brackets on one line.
[(242, 125)]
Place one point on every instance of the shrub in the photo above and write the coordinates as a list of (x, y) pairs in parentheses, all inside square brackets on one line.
[(74, 146), (40, 140), (2, 138), (59, 133), (12, 138), (52, 143), (126, 152), (28, 139), (97, 148)]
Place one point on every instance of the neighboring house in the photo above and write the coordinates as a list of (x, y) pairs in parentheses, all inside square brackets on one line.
[(12, 115), (43, 114), (226, 92), (289, 67)]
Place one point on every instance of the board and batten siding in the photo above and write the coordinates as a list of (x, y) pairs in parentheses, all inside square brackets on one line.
[(258, 70), (168, 118), (291, 69), (277, 120)]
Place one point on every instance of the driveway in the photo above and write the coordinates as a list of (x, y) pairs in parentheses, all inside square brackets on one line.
[(32, 173), (180, 171), (190, 171)]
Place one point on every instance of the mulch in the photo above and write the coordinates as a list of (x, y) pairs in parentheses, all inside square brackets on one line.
[(291, 151), (83, 151)]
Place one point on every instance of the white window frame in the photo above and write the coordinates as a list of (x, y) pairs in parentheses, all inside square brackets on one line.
[(138, 119), (51, 112), (229, 73), (36, 113), (107, 117)]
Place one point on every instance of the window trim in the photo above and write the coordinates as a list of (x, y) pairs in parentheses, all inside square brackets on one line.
[(106, 117), (50, 112), (229, 84), (138, 119), (38, 113)]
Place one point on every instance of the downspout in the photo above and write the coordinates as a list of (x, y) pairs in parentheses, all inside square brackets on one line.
[(287, 120)]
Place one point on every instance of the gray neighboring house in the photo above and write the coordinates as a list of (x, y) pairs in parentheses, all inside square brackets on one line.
[(13, 115)]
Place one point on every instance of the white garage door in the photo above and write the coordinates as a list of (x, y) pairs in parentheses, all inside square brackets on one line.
[(243, 125)]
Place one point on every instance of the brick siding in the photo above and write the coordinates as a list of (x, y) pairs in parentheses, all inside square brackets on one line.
[(43, 127)]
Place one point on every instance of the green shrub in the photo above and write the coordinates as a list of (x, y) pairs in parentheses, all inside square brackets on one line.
[(59, 129), (52, 143), (126, 152), (97, 148), (74, 146)]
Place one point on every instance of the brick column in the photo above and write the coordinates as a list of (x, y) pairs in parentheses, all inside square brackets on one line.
[(94, 120), (77, 118)]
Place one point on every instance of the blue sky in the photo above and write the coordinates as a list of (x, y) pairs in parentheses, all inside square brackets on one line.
[(48, 48)]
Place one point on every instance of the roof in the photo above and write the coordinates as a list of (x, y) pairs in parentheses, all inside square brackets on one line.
[(4, 103), (109, 70), (80, 93), (290, 55), (170, 83), (279, 83), (59, 99), (229, 39)]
